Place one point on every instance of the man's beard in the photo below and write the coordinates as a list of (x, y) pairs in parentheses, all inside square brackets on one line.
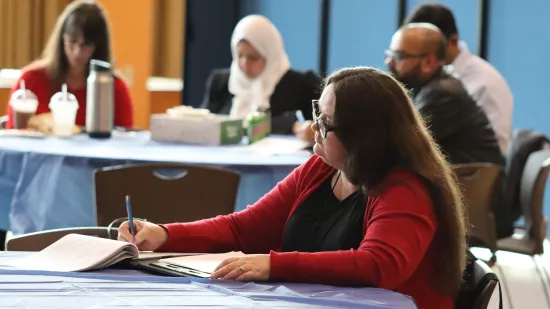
[(411, 80)]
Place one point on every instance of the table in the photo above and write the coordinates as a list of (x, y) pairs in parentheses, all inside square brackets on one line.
[(47, 183), (115, 288)]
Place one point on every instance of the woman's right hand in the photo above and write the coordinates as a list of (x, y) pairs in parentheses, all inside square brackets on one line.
[(304, 131), (149, 236)]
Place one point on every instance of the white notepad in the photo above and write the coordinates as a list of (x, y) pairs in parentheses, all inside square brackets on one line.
[(75, 252), (206, 263)]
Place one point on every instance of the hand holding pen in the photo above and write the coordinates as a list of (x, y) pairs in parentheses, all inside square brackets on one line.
[(145, 235), (130, 215), (302, 128)]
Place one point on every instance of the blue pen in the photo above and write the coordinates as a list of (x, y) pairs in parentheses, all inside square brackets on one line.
[(130, 216), (300, 116)]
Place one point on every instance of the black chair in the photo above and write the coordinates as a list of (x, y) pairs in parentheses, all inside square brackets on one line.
[(508, 208), (480, 283), (532, 187), (40, 240), (478, 182)]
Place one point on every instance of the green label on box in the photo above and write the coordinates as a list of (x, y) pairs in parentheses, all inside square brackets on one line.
[(231, 132), (258, 126)]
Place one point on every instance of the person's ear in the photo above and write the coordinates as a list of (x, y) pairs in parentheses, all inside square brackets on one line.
[(453, 40), (429, 64)]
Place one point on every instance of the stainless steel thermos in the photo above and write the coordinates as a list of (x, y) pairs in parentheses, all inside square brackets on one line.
[(99, 100)]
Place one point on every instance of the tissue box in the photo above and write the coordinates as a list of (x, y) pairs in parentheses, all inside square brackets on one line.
[(212, 130)]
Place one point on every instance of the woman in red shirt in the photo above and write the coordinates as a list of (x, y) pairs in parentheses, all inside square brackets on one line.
[(377, 205), (81, 34)]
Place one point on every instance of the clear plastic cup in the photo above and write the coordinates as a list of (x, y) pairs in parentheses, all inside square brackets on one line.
[(63, 106), (23, 104)]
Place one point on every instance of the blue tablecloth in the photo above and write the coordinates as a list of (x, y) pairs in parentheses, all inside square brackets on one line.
[(115, 288), (47, 183)]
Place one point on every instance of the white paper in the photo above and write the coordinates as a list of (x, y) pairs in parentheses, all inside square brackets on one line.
[(273, 146), (206, 262), (148, 255), (76, 252)]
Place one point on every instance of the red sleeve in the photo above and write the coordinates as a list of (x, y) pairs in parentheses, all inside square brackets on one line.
[(124, 107), (36, 81), (257, 229), (400, 230)]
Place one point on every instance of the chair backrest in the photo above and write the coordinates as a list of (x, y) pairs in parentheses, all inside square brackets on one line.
[(480, 283), (164, 192), (478, 183), (533, 185), (3, 121), (39, 240), (522, 144)]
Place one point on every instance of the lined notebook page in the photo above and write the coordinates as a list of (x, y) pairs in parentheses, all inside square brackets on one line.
[(76, 252), (205, 262)]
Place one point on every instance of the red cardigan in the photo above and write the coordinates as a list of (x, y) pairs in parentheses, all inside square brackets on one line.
[(37, 80), (396, 252)]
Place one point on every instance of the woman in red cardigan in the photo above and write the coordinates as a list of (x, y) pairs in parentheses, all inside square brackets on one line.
[(376, 205), (81, 34)]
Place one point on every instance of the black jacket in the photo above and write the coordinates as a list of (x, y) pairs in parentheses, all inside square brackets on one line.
[(457, 123), (294, 92)]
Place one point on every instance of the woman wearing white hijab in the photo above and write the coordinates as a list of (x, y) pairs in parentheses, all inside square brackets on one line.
[(260, 77)]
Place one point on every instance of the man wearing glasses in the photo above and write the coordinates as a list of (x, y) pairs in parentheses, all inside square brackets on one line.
[(460, 127), (483, 81)]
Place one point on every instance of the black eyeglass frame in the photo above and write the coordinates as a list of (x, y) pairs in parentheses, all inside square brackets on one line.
[(401, 55), (323, 127)]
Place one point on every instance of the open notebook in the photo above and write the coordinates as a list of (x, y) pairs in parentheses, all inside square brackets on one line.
[(76, 252)]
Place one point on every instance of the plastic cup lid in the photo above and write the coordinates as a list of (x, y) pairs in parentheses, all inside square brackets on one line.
[(62, 100), (21, 94), (24, 100)]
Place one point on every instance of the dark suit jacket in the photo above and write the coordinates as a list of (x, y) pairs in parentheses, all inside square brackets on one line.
[(294, 92), (458, 124)]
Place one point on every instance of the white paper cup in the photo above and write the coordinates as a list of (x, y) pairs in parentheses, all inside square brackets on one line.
[(64, 115)]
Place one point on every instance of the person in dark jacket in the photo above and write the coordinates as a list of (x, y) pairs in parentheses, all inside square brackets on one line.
[(460, 127), (260, 77)]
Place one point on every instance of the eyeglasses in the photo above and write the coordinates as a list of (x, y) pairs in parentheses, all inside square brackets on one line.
[(323, 127), (400, 55), (73, 43)]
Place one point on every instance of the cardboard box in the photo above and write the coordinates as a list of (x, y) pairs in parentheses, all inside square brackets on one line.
[(211, 130)]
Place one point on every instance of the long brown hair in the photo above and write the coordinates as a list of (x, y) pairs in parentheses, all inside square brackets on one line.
[(81, 16), (382, 131)]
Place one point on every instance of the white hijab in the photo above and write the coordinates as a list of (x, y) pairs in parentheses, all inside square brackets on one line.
[(250, 94)]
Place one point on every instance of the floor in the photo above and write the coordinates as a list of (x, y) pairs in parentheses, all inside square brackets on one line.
[(525, 280)]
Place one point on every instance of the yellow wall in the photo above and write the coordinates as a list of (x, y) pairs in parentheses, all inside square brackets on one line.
[(170, 25), (152, 31), (132, 26), (4, 99)]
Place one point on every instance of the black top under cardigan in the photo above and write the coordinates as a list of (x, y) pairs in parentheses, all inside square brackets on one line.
[(294, 92), (324, 223)]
